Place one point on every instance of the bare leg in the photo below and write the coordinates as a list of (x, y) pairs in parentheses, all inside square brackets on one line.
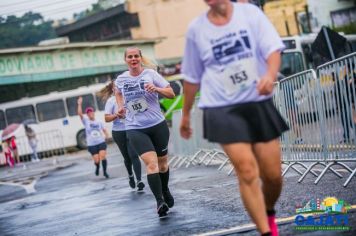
[(163, 164), (268, 155), (244, 161), (151, 162)]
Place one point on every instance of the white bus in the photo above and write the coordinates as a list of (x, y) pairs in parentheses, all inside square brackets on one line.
[(298, 55), (56, 111)]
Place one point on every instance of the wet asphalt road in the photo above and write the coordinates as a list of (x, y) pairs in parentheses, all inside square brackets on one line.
[(70, 200)]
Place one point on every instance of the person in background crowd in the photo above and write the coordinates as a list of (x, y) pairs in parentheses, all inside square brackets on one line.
[(131, 159), (32, 141), (95, 137), (232, 53), (8, 155), (13, 148), (344, 84), (147, 131)]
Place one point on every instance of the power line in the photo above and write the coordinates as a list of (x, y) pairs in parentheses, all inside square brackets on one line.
[(14, 4), (55, 11), (41, 6), (66, 9)]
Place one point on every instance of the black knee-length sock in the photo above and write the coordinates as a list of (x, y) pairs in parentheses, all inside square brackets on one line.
[(154, 181), (164, 179), (137, 167), (104, 164)]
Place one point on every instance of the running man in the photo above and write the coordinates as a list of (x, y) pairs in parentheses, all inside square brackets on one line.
[(95, 137), (146, 128), (233, 55), (131, 159)]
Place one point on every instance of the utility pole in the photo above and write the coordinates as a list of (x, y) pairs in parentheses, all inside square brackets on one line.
[(308, 18)]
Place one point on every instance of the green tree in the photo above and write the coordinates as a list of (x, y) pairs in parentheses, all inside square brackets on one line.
[(347, 29), (26, 30), (95, 8)]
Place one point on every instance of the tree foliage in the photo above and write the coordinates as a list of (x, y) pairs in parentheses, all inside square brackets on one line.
[(26, 30), (347, 29), (95, 8)]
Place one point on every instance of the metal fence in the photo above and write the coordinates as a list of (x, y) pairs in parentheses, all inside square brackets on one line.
[(320, 110), (49, 143), (196, 150)]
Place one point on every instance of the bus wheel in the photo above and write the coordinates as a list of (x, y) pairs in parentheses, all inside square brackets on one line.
[(81, 139)]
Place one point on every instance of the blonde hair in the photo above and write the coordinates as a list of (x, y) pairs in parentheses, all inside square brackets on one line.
[(107, 91), (147, 63)]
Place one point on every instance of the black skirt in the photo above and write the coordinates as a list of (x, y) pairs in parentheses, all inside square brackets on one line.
[(248, 122)]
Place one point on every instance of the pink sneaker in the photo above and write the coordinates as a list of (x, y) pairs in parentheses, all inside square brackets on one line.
[(272, 225)]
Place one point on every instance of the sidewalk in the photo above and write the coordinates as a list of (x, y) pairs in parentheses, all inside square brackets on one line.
[(28, 169)]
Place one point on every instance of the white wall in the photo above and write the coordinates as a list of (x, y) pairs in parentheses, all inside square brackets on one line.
[(321, 9)]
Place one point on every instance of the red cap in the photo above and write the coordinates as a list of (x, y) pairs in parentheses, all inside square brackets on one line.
[(89, 109)]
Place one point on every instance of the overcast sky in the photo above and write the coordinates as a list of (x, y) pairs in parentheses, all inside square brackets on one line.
[(49, 9)]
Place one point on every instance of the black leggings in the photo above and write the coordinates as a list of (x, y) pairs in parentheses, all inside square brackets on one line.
[(130, 157)]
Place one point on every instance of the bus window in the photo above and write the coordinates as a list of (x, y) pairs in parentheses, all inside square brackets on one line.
[(353, 46), (50, 110), (88, 101), (2, 120), (20, 114), (100, 103), (290, 43), (292, 63)]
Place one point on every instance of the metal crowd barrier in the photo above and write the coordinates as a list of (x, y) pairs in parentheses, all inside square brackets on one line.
[(49, 143), (337, 83), (320, 110), (196, 150)]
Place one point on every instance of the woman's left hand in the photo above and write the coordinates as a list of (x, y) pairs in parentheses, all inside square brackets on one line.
[(151, 88), (266, 84)]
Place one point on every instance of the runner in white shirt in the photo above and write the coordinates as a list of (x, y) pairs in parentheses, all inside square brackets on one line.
[(95, 137), (131, 159), (233, 55), (146, 128)]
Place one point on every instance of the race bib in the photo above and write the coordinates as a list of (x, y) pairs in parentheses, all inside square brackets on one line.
[(239, 76), (138, 105), (95, 134)]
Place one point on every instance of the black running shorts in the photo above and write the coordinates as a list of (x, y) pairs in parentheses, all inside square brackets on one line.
[(154, 138), (97, 148)]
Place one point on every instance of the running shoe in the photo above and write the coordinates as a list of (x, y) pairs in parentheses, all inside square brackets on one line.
[(272, 225), (132, 181), (140, 186), (168, 198), (106, 175), (162, 209)]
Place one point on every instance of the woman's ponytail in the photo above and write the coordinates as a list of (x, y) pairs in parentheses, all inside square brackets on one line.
[(107, 91)]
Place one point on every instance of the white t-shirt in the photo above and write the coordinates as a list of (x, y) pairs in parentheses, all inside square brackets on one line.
[(111, 108), (228, 60), (93, 131), (143, 109)]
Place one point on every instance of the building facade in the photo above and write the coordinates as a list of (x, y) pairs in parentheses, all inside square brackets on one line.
[(332, 13), (110, 24), (168, 20)]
